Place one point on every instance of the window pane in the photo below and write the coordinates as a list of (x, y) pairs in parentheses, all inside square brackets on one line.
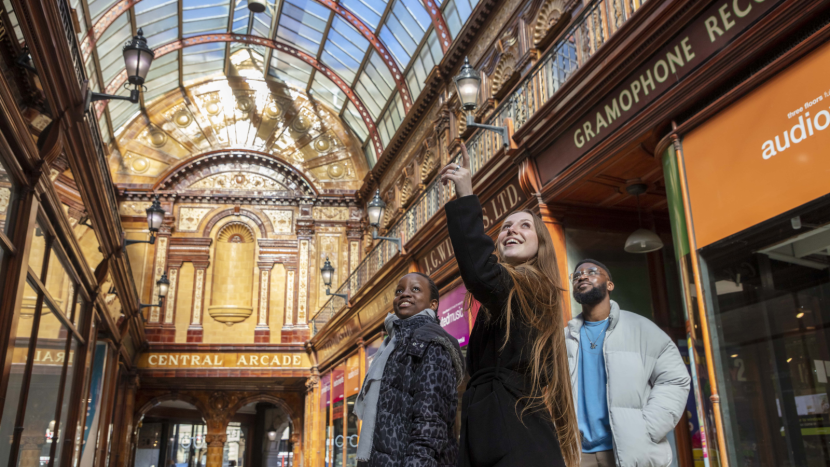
[(19, 357), (8, 201), (41, 401), (66, 403), (93, 407), (770, 316), (38, 250), (59, 285)]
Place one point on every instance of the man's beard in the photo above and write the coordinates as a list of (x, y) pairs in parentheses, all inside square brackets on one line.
[(593, 296)]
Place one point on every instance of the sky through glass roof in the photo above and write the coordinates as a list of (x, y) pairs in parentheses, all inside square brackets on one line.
[(365, 59)]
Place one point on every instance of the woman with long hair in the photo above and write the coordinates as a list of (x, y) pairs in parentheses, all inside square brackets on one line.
[(517, 409)]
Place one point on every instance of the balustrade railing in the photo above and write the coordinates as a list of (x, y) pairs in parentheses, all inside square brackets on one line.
[(594, 26)]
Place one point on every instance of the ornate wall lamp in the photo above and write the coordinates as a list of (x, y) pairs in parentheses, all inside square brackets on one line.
[(375, 211), (137, 57), (327, 271), (164, 285), (155, 216), (468, 84)]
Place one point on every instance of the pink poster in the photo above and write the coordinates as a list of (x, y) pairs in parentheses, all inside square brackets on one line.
[(338, 388), (453, 317)]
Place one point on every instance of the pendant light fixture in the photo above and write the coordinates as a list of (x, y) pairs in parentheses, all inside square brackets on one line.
[(641, 240)]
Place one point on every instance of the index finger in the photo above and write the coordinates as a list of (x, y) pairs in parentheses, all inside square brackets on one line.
[(465, 156)]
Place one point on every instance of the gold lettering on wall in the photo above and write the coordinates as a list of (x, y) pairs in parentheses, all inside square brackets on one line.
[(161, 260), (197, 296), (303, 299), (173, 360), (170, 302), (289, 299)]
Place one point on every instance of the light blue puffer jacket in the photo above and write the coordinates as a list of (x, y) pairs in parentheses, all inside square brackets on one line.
[(648, 386)]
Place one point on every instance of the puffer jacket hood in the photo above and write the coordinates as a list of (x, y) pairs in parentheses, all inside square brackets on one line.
[(648, 386)]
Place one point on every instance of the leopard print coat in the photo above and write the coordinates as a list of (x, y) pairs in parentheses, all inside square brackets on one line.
[(418, 398)]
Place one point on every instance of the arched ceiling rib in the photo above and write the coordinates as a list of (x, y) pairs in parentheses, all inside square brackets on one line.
[(382, 51), (123, 6), (439, 24), (121, 78), (228, 126)]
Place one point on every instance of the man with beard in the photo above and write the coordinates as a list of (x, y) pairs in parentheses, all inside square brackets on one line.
[(628, 380)]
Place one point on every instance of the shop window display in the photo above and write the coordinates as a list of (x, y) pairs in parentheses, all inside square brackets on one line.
[(769, 301)]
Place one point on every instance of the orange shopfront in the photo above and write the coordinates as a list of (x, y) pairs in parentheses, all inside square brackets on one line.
[(751, 185)]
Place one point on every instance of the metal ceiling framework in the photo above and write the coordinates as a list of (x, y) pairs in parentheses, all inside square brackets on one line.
[(364, 58), (121, 78)]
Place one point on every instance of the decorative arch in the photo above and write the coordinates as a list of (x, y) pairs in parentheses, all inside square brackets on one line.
[(232, 212), (549, 14), (121, 78), (189, 171), (263, 398), (122, 6), (173, 396)]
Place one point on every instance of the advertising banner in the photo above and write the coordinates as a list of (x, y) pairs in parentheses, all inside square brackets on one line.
[(764, 155), (452, 315)]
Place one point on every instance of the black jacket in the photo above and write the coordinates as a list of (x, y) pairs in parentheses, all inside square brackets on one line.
[(418, 398), (494, 429)]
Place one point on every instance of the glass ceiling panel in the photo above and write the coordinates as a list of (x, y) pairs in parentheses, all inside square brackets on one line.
[(262, 21), (405, 27), (77, 6), (159, 19), (456, 14), (162, 77), (205, 16), (122, 111), (429, 56), (110, 47), (344, 50), (375, 85), (326, 91), (248, 60), (241, 13), (102, 125), (99, 7), (290, 69), (15, 24), (302, 24), (369, 11), (355, 121)]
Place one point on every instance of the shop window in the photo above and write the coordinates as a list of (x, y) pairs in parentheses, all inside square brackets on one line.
[(58, 284), (66, 401), (768, 301), (352, 388), (49, 363), (37, 252), (88, 435), (325, 405), (338, 376), (8, 201), (19, 358)]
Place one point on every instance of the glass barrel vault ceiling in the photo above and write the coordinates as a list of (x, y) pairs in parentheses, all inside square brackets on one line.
[(381, 51)]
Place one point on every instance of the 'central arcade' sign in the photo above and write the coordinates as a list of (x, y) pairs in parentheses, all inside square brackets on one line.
[(217, 360)]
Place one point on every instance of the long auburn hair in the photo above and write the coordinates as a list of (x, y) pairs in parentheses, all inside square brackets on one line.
[(537, 294)]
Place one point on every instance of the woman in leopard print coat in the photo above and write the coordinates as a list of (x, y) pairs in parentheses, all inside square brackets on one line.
[(416, 407)]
